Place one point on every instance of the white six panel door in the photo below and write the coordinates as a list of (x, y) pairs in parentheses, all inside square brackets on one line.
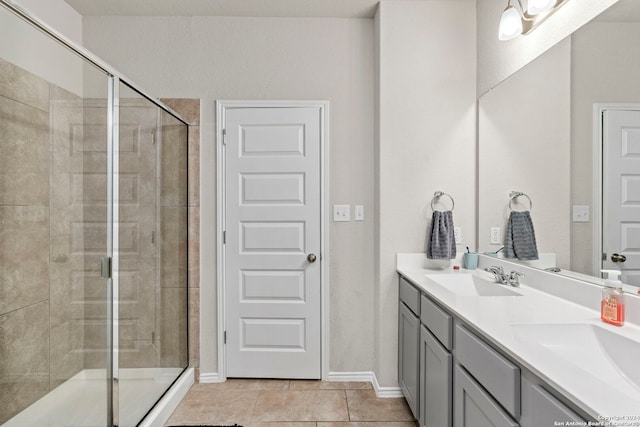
[(621, 192), (272, 224)]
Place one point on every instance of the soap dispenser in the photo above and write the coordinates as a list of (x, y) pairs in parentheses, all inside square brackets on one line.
[(612, 305)]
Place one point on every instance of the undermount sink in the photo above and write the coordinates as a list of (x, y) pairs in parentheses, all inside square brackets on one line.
[(471, 285), (607, 355)]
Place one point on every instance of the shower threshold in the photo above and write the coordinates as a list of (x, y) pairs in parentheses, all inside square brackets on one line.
[(81, 400)]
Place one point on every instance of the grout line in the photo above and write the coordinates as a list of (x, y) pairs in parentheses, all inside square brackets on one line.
[(255, 403), (347, 402)]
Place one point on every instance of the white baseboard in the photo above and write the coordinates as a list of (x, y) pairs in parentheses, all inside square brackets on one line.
[(366, 377), (210, 377), (170, 401)]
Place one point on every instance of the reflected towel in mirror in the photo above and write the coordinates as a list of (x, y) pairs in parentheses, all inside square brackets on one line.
[(441, 241), (520, 237)]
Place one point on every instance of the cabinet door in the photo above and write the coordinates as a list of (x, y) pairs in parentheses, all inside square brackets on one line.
[(436, 372), (473, 406), (408, 349), (541, 409)]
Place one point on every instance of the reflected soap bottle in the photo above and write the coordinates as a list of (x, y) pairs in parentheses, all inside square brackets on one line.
[(612, 305)]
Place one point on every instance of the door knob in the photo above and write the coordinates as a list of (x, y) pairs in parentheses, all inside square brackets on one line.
[(312, 257), (618, 258)]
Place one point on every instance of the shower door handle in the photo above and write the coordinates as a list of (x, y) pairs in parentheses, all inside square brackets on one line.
[(105, 267)]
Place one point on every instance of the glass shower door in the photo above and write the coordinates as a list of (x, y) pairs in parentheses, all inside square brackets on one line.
[(93, 237), (54, 232), (151, 253)]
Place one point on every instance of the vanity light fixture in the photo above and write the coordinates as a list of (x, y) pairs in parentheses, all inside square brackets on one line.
[(510, 23), (516, 21)]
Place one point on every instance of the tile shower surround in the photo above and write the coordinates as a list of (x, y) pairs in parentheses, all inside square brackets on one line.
[(43, 341)]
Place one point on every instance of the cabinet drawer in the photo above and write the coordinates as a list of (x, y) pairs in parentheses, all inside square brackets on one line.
[(437, 320), (410, 296), (497, 375)]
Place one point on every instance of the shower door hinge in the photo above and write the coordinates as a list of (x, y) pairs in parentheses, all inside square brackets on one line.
[(225, 337), (224, 137), (105, 267)]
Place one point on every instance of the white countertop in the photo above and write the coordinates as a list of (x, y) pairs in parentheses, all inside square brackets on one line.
[(493, 318)]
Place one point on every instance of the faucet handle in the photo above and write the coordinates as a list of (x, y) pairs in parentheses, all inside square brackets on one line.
[(514, 278), (497, 269)]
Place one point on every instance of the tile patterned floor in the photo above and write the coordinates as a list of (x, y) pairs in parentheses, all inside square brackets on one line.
[(295, 403)]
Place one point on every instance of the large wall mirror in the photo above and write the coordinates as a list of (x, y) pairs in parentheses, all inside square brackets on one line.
[(565, 131)]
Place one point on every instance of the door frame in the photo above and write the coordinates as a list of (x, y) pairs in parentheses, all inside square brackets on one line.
[(598, 145), (221, 108)]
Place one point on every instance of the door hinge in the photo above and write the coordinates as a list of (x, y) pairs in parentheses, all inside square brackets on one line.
[(224, 237), (224, 137), (225, 337), (105, 267)]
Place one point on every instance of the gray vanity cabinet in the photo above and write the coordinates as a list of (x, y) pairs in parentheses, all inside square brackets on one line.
[(451, 377), (408, 345), (436, 365), (473, 406)]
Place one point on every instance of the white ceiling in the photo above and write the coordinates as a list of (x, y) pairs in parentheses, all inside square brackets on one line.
[(623, 11), (259, 8)]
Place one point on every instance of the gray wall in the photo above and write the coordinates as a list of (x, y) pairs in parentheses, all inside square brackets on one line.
[(524, 145), (604, 70), (497, 59), (426, 141), (270, 58)]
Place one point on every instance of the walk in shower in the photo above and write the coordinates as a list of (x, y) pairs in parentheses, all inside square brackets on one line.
[(93, 237)]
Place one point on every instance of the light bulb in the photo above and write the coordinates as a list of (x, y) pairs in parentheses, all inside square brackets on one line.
[(510, 24), (536, 7)]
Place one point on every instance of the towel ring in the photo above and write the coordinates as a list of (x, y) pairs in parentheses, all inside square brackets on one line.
[(437, 196), (514, 195)]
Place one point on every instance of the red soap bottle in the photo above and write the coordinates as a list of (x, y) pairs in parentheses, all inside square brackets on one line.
[(612, 305)]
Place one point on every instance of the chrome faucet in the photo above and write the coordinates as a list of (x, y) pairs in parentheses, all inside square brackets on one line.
[(514, 278), (511, 279), (498, 274)]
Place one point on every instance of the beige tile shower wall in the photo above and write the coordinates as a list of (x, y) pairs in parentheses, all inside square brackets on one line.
[(84, 170), (189, 110), (35, 289), (173, 243), (68, 273), (139, 233)]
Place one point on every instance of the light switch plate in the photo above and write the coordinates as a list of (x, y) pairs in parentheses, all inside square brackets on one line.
[(341, 213), (457, 232), (580, 213)]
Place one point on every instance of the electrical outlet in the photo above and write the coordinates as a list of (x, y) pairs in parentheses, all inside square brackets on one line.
[(457, 232), (495, 236), (358, 213)]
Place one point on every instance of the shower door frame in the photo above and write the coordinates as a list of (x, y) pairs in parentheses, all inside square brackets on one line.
[(109, 264)]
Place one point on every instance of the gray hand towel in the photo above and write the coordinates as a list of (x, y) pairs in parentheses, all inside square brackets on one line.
[(520, 237), (441, 242)]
